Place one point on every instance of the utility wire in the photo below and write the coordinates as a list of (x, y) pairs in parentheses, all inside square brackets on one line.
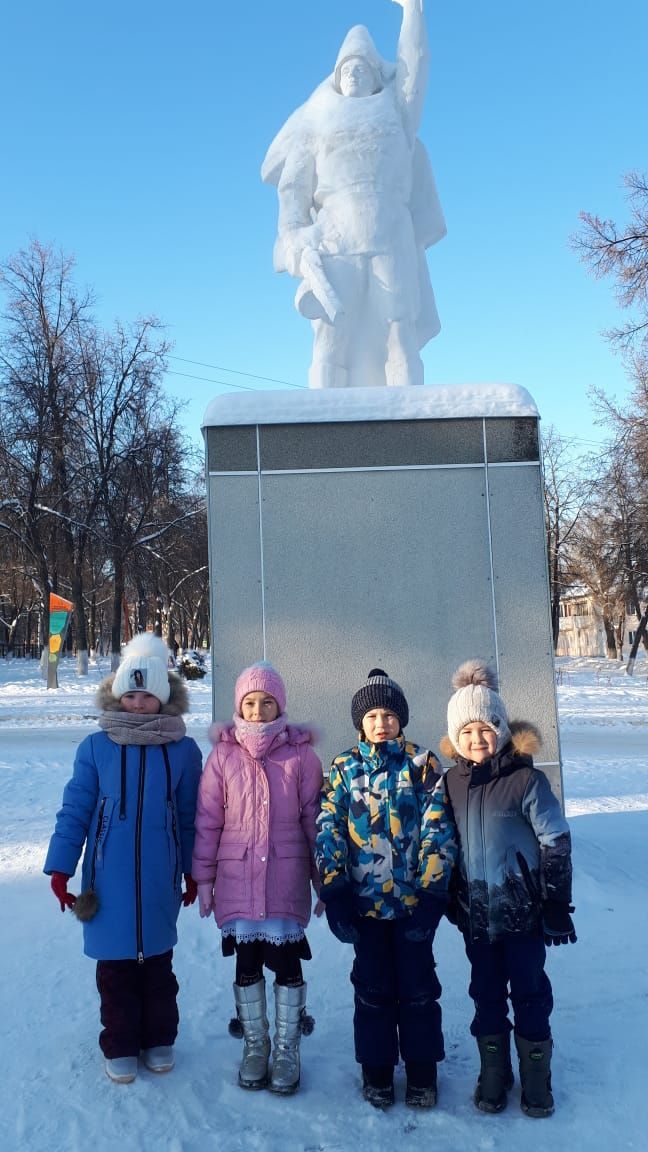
[(234, 371)]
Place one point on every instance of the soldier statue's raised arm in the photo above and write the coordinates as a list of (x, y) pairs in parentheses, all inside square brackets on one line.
[(357, 210)]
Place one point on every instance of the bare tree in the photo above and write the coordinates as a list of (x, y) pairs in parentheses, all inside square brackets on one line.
[(44, 317), (567, 488), (621, 253), (94, 470)]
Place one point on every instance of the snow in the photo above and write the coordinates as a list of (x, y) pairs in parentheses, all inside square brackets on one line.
[(440, 402), (54, 1093)]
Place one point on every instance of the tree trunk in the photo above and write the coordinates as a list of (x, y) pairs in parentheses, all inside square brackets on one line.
[(81, 630), (118, 596), (610, 638), (640, 634)]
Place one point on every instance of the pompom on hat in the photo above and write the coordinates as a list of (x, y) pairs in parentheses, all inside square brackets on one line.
[(379, 692), (260, 677), (476, 700), (144, 668)]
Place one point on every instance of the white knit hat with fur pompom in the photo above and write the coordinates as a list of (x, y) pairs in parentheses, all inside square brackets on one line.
[(144, 668), (476, 700)]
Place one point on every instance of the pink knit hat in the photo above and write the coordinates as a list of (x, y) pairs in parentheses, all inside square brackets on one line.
[(260, 677)]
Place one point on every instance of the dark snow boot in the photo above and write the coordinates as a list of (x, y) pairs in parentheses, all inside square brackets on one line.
[(378, 1085), (421, 1090), (496, 1074), (535, 1076)]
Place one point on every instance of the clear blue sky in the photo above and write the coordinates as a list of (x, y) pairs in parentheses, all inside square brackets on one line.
[(133, 132)]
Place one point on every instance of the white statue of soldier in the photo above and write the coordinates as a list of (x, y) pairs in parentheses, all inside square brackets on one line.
[(357, 209)]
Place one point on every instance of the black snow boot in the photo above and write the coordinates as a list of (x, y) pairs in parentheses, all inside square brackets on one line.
[(421, 1090), (378, 1085), (496, 1074), (535, 1076)]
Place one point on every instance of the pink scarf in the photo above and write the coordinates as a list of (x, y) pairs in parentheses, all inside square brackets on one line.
[(257, 738)]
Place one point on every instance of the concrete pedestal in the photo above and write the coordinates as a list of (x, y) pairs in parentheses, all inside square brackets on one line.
[(399, 528)]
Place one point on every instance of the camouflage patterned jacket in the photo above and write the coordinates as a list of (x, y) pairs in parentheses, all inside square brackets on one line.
[(380, 827)]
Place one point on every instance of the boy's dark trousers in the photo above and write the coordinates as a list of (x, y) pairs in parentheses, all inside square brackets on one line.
[(515, 962), (396, 996), (138, 1005)]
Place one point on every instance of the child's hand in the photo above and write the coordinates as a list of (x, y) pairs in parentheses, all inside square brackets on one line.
[(191, 890), (206, 899), (341, 914), (557, 924), (425, 916), (318, 909), (58, 884)]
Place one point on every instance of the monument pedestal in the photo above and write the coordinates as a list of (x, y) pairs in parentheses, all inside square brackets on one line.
[(398, 528)]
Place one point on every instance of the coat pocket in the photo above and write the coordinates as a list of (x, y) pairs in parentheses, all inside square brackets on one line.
[(231, 870), (292, 871)]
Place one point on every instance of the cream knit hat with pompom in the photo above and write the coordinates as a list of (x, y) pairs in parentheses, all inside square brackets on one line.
[(476, 699)]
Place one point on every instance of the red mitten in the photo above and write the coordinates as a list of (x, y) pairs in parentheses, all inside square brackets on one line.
[(191, 890), (59, 883)]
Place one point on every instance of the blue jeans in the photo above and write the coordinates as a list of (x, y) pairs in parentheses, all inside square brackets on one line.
[(512, 966), (396, 996)]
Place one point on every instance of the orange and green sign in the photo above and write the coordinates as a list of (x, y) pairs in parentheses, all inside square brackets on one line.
[(60, 612)]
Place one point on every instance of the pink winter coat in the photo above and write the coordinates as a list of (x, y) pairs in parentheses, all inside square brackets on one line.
[(256, 827)]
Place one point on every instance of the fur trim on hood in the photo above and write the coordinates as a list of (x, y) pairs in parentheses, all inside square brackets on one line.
[(525, 738), (176, 705)]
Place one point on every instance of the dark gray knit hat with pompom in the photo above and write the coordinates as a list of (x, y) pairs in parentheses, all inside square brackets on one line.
[(476, 699), (379, 692)]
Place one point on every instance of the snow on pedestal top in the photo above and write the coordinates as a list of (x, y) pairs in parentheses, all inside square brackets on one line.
[(301, 406)]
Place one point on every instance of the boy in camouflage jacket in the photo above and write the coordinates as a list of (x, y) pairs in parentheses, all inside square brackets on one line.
[(385, 850)]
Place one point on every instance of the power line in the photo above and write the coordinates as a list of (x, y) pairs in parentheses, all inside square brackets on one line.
[(233, 371), (206, 380)]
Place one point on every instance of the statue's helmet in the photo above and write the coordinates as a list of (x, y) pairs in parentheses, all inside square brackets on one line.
[(358, 43)]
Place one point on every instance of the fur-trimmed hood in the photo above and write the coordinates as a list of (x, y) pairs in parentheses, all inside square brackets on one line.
[(176, 705), (525, 740)]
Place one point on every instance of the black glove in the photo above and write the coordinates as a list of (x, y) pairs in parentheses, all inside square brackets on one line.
[(341, 914), (557, 924), (425, 916)]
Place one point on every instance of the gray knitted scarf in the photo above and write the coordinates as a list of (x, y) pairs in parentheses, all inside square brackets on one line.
[(129, 728)]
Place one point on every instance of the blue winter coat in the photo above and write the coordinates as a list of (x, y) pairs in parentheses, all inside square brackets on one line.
[(134, 809)]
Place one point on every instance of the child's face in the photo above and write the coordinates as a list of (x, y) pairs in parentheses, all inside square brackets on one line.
[(380, 724), (477, 742), (259, 707), (142, 703)]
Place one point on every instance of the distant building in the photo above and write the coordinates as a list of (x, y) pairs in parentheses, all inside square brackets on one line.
[(581, 630)]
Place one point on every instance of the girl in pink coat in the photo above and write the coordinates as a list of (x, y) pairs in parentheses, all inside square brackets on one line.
[(254, 863)]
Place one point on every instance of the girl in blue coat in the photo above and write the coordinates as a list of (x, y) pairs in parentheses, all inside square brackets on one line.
[(131, 802)]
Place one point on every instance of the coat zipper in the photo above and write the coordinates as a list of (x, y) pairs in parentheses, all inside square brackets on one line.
[(97, 849), (138, 855), (171, 807)]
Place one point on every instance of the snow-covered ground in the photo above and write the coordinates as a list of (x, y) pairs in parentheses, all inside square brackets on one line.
[(53, 1091)]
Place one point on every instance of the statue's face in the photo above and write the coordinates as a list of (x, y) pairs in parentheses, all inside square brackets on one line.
[(356, 77)]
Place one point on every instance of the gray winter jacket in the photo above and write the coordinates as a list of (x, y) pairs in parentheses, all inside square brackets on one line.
[(514, 841)]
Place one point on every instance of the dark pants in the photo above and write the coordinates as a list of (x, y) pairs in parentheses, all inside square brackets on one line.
[(396, 996), (282, 959), (512, 966), (138, 1005)]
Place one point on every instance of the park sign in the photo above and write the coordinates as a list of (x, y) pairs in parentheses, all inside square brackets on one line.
[(60, 611)]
